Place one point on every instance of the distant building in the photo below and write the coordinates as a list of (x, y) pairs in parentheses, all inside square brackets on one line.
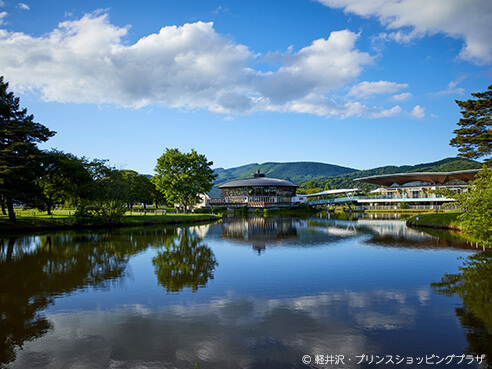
[(415, 189), (256, 192)]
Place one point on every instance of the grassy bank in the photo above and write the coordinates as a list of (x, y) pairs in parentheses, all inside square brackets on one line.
[(61, 220), (448, 220)]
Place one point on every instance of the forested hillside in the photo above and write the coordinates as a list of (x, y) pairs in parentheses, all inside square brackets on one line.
[(315, 176), (297, 172)]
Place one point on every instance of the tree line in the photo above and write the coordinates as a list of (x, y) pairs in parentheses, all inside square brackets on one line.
[(35, 178)]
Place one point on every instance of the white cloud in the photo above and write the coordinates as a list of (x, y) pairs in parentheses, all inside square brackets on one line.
[(190, 66), (367, 89), (452, 88), (467, 20), (418, 112), (2, 15), (401, 97), (23, 6)]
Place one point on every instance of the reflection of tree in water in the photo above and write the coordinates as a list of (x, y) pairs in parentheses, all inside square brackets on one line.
[(184, 262), (474, 287), (35, 270)]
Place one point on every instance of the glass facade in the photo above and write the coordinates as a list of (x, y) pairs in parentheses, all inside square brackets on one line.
[(280, 191)]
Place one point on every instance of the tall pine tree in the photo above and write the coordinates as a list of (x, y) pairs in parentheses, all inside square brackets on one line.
[(19, 155), (474, 137)]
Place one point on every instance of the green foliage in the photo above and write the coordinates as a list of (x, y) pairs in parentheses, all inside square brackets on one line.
[(477, 203), (474, 137), (106, 203), (182, 177), (65, 179), (473, 285), (19, 155), (184, 262), (139, 189), (404, 205)]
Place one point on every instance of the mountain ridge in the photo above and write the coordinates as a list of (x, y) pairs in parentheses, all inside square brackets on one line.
[(310, 174)]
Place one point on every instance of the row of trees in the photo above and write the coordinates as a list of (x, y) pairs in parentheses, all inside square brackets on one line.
[(42, 179)]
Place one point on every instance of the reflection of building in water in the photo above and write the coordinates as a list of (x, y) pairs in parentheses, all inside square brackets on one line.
[(262, 232), (391, 232), (257, 231), (199, 231)]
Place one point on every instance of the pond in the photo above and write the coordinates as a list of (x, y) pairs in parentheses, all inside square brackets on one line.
[(246, 293)]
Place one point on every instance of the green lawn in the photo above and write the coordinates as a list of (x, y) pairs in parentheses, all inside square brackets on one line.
[(437, 220), (29, 220)]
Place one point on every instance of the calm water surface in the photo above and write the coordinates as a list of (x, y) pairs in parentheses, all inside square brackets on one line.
[(246, 293)]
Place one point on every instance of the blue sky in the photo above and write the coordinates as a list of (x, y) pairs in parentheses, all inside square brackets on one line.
[(350, 82)]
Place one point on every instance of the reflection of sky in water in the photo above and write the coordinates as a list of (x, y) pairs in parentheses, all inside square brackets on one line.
[(245, 331), (319, 288)]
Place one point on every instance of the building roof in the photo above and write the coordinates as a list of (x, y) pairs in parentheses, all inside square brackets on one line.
[(259, 182), (432, 177), (332, 192)]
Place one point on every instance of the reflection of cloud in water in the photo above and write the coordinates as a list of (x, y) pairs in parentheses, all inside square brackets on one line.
[(424, 296), (227, 332)]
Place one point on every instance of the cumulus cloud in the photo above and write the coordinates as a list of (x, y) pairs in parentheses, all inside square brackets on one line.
[(368, 89), (23, 6), (2, 16), (467, 20), (192, 66), (418, 112)]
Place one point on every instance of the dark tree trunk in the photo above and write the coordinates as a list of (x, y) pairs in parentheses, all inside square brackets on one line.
[(4, 209), (48, 209), (10, 207)]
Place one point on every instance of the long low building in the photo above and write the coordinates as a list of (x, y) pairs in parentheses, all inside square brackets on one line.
[(416, 189)]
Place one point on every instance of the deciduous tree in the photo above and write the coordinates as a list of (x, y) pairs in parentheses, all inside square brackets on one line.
[(65, 178), (182, 177)]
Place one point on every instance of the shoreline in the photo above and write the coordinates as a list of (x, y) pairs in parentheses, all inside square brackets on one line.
[(21, 227), (447, 221)]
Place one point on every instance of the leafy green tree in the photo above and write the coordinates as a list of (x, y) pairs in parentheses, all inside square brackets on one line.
[(65, 178), (477, 203), (474, 137), (108, 193), (144, 190), (19, 156), (139, 189), (182, 177)]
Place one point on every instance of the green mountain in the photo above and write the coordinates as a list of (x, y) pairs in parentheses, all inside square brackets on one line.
[(297, 172), (321, 175)]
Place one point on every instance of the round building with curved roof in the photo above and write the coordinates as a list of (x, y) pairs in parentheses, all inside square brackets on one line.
[(259, 185), (257, 192)]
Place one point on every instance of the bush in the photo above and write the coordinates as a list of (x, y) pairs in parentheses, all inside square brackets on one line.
[(109, 213)]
